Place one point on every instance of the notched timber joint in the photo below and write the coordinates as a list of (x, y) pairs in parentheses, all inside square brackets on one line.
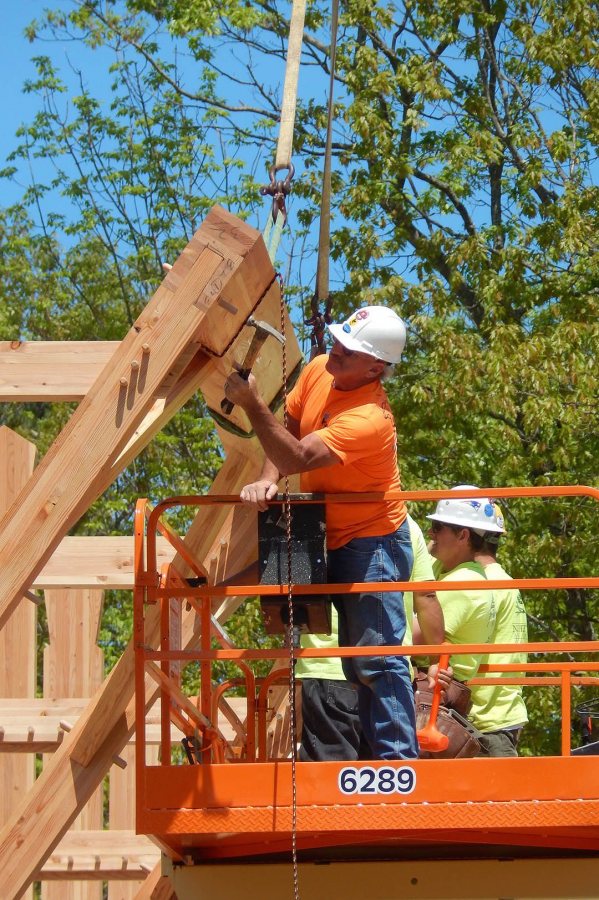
[(243, 324), (117, 760)]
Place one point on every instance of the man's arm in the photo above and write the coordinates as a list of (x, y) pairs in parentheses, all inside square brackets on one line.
[(285, 452), (431, 625)]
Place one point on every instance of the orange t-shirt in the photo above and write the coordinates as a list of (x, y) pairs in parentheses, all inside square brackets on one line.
[(358, 427)]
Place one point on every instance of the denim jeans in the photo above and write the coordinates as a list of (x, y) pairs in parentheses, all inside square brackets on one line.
[(385, 696)]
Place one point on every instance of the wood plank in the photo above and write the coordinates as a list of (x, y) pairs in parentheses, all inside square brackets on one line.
[(33, 725), (88, 562), (85, 755), (121, 807), (166, 336), (74, 666), (18, 638), (156, 886), (101, 855), (66, 370), (32, 371)]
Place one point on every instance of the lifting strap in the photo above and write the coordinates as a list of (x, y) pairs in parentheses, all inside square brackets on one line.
[(318, 320), (279, 189)]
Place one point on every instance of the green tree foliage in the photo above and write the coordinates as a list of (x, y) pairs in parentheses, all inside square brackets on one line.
[(465, 195)]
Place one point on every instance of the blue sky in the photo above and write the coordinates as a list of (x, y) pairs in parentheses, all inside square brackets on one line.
[(15, 68)]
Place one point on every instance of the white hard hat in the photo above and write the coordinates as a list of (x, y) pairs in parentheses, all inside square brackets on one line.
[(376, 330), (478, 513)]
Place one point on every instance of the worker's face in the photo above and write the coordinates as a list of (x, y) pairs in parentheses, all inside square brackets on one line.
[(449, 544), (352, 369)]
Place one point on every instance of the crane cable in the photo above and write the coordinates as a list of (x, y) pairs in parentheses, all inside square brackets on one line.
[(279, 189), (318, 320)]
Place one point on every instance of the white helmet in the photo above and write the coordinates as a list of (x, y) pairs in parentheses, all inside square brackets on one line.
[(376, 330), (478, 513)]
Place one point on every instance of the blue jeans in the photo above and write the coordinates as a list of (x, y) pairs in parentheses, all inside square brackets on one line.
[(385, 696)]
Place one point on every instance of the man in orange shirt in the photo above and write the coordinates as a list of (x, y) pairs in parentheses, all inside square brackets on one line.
[(341, 437)]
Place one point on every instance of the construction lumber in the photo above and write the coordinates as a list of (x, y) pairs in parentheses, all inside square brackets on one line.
[(95, 562), (37, 371), (18, 638), (201, 305), (101, 855), (36, 725), (103, 729), (121, 805), (156, 886), (85, 755), (74, 666)]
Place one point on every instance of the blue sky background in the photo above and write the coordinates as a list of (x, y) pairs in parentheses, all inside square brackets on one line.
[(15, 68)]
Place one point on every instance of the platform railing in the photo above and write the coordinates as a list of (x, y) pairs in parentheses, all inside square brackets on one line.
[(163, 656)]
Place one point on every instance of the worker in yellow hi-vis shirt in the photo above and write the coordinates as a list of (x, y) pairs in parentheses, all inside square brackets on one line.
[(499, 711), (457, 532)]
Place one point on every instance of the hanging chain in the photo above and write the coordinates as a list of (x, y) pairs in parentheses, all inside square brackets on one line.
[(318, 321), (290, 627)]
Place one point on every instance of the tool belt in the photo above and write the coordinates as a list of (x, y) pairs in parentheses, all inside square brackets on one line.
[(463, 740)]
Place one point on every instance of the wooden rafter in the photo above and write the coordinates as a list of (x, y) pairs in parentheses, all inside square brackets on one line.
[(226, 263), (190, 313)]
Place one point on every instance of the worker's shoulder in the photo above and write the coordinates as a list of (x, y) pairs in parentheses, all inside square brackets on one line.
[(496, 571), (467, 571)]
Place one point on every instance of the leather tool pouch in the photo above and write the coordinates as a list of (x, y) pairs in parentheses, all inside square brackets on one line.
[(463, 742)]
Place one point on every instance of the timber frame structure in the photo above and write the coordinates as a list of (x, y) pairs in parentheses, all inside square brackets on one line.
[(186, 340)]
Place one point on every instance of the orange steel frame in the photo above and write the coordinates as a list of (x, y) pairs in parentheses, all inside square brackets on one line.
[(239, 805)]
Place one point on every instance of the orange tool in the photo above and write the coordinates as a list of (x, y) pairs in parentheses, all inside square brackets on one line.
[(429, 737)]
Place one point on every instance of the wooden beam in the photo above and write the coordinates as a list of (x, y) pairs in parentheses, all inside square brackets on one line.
[(34, 725), (100, 856), (33, 371), (89, 562), (156, 886), (74, 666), (66, 370), (18, 638), (190, 311), (85, 755)]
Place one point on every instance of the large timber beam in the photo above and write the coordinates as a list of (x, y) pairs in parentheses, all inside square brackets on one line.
[(88, 562), (200, 306), (38, 371), (224, 540)]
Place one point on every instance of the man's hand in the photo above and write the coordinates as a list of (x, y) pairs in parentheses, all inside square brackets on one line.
[(443, 676), (241, 392), (258, 493)]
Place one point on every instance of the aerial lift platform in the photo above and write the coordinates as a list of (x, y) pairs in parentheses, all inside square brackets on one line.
[(218, 821), (232, 812)]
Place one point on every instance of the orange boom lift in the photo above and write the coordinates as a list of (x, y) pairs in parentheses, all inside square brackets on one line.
[(233, 810)]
